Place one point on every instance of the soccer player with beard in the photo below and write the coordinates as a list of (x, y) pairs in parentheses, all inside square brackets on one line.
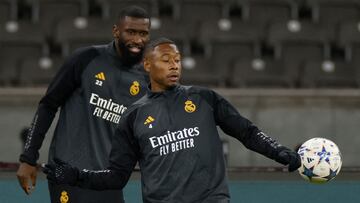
[(172, 132), (93, 88)]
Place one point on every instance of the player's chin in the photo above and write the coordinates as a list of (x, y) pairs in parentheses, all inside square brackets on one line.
[(171, 84), (135, 54)]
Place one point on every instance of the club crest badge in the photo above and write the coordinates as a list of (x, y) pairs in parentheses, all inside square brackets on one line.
[(189, 106), (135, 88), (64, 198)]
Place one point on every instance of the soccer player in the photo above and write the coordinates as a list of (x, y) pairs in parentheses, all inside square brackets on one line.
[(93, 88), (172, 132)]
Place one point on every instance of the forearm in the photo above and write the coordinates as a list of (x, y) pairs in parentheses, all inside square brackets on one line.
[(102, 180), (251, 137), (39, 127)]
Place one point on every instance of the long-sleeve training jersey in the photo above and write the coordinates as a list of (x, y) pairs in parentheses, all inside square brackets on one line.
[(93, 88), (174, 137)]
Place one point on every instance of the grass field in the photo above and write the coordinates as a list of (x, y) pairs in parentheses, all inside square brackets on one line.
[(246, 191)]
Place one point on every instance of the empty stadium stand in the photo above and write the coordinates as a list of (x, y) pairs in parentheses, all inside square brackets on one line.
[(49, 12), (19, 40), (8, 10), (223, 42), (334, 12), (260, 72), (330, 74), (349, 39), (73, 33), (294, 42), (36, 71), (111, 8)]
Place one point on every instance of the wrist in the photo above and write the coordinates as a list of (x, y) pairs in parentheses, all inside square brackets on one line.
[(24, 159), (282, 155)]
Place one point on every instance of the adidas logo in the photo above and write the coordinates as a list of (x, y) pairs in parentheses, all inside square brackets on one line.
[(149, 120), (100, 76), (310, 160)]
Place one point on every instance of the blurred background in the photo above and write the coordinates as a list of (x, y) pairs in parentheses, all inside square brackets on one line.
[(290, 66)]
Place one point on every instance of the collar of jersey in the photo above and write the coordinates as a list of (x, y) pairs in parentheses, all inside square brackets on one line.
[(168, 92), (111, 49)]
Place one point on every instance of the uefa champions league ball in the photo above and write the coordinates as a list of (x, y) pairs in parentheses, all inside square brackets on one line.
[(320, 160)]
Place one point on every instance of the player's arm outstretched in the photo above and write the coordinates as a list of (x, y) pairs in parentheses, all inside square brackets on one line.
[(123, 157), (233, 124), (62, 86)]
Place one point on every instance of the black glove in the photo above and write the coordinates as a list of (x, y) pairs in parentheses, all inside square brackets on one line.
[(61, 172), (290, 158)]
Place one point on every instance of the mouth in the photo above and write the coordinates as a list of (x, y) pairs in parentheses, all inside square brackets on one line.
[(173, 77), (134, 48)]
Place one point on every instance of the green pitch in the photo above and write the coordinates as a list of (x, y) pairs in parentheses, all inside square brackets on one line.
[(241, 191)]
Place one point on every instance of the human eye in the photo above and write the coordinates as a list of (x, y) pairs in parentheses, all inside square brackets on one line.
[(144, 34), (130, 32), (165, 58)]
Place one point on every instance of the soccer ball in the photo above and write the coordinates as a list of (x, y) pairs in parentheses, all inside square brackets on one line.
[(320, 160)]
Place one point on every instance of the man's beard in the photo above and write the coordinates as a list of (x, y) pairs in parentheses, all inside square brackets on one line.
[(128, 57)]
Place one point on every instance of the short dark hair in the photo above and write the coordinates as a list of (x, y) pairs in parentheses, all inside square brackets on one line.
[(156, 42), (133, 11)]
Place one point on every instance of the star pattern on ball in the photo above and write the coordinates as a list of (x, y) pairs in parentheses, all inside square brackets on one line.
[(331, 175), (323, 154), (309, 172)]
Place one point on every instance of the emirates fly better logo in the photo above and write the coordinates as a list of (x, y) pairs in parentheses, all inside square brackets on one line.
[(106, 109), (174, 141)]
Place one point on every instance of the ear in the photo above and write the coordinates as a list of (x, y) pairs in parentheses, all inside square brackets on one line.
[(147, 65), (115, 31)]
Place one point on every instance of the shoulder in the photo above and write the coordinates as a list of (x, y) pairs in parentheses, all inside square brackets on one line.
[(86, 52), (82, 56), (138, 69), (134, 108), (202, 91)]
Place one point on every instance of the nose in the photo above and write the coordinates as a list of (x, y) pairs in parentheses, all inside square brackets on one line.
[(137, 39), (174, 65)]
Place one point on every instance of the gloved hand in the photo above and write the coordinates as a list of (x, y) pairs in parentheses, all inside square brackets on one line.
[(61, 172), (288, 157)]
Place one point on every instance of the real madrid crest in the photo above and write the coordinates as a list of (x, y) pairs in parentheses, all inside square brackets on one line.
[(189, 106), (64, 198), (135, 88)]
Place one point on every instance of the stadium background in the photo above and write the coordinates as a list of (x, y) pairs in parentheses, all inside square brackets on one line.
[(290, 66)]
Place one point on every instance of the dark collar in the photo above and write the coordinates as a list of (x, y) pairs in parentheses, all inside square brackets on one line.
[(112, 50), (166, 93)]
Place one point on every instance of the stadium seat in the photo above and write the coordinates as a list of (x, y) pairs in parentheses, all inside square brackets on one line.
[(167, 27), (334, 11), (19, 40), (258, 72), (194, 12), (111, 8), (329, 74), (349, 39), (75, 33), (228, 41), (265, 12), (8, 10), (295, 42), (49, 12), (35, 71), (8, 70), (197, 70)]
